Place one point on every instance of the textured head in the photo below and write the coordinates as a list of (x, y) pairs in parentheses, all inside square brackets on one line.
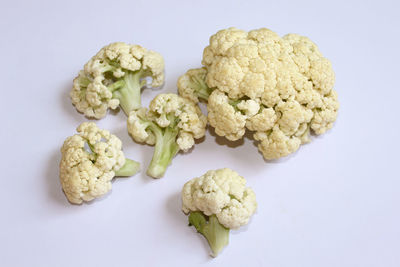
[(278, 87), (92, 92), (168, 110), (89, 161), (221, 192)]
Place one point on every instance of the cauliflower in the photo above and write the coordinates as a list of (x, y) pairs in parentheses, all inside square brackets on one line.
[(192, 85), (171, 124), (115, 76), (222, 198), (89, 162), (279, 88)]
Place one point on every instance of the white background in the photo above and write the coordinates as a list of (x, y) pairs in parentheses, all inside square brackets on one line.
[(333, 203)]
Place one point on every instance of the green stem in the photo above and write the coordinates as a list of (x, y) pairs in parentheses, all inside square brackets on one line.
[(130, 168), (129, 94), (117, 85), (165, 150), (201, 88), (83, 81), (216, 234)]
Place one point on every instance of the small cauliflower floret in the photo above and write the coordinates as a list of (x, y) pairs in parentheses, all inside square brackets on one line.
[(276, 144), (115, 76), (293, 116), (192, 85), (223, 116), (248, 107), (260, 80), (263, 121), (171, 124), (325, 116), (216, 202), (90, 160)]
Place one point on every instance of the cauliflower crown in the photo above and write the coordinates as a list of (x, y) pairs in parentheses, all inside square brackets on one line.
[(92, 92), (89, 161), (280, 88), (221, 192)]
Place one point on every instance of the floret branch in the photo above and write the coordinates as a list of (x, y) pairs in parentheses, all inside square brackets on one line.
[(114, 77), (193, 85), (217, 202), (130, 168), (165, 149), (216, 234), (171, 124), (128, 91), (201, 88)]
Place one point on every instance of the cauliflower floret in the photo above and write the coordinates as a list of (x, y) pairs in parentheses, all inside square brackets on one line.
[(171, 124), (113, 77), (263, 121), (217, 202), (260, 80), (192, 85), (249, 107), (276, 144), (90, 160), (325, 116), (185, 141), (293, 115), (221, 192), (311, 63), (224, 118)]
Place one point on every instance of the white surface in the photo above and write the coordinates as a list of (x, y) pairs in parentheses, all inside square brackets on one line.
[(334, 203)]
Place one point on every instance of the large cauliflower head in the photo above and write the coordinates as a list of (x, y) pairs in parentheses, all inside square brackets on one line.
[(221, 192), (89, 162), (115, 66), (168, 111), (280, 88)]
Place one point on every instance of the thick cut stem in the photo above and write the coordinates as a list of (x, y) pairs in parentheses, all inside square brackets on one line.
[(216, 234), (129, 94), (130, 168), (164, 151)]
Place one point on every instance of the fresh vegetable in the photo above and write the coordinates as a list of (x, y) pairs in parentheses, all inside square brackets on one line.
[(90, 160), (114, 77), (278, 88), (217, 202), (193, 86), (216, 234), (171, 124)]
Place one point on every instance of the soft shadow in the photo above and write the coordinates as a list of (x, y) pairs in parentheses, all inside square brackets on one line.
[(52, 179), (223, 141), (244, 228), (122, 133), (147, 154), (173, 205), (200, 140), (66, 103), (115, 112)]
